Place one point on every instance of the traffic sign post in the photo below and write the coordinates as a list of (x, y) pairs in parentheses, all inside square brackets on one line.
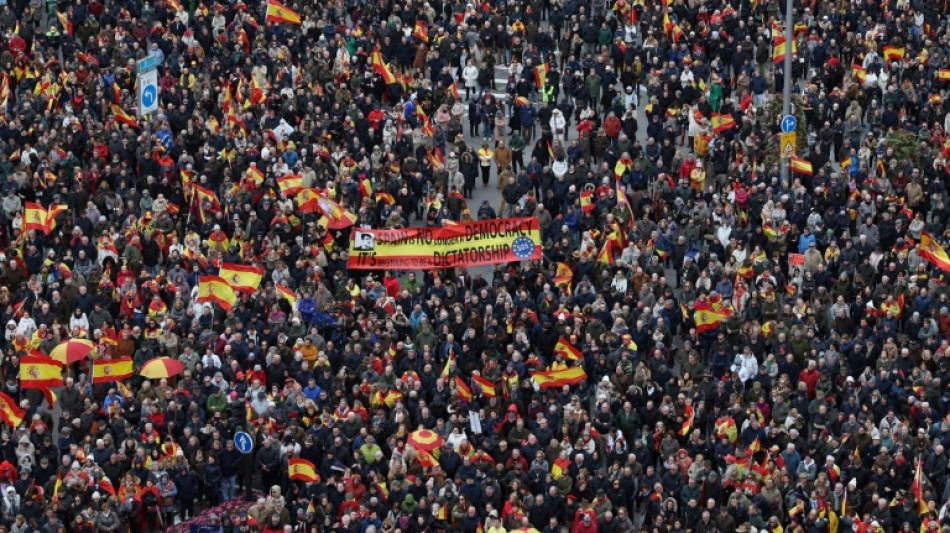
[(243, 442), (788, 144), (148, 85), (789, 123)]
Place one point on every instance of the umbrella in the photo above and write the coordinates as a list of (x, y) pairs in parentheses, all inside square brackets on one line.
[(425, 440), (162, 367), (72, 350)]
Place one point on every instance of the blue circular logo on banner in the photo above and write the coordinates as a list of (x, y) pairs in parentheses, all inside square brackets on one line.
[(523, 248)]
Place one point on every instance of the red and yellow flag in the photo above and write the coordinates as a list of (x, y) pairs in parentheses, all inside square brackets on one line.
[(485, 386), (290, 184), (65, 23), (933, 252), (277, 12), (216, 289), (721, 123), (561, 465), (560, 377), (381, 68), (568, 350), (110, 370), (301, 470), (40, 371), (801, 166), (123, 118), (287, 294), (242, 278), (465, 393), (688, 416), (706, 317), (893, 53), (10, 412)]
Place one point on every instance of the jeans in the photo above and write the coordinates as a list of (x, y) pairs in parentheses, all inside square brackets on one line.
[(228, 488)]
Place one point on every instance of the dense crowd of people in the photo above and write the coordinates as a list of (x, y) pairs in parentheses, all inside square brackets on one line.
[(760, 355)]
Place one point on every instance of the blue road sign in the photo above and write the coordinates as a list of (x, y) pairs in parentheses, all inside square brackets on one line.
[(789, 123), (243, 442), (149, 95)]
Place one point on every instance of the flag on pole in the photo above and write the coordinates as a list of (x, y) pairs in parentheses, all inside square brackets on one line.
[(242, 278), (277, 12), (216, 289), (933, 252)]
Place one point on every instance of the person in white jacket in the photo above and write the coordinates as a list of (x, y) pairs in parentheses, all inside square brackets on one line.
[(746, 364), (470, 77), (558, 126)]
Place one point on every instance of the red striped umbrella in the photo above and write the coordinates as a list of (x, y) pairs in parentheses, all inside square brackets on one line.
[(72, 350), (161, 367), (426, 440)]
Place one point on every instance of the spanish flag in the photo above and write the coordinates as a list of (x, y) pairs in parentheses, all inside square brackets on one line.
[(688, 416), (933, 252), (568, 350), (801, 166), (254, 174), (726, 427), (465, 393), (34, 217), (366, 188), (308, 200), (443, 513), (40, 372), (277, 12), (65, 23), (721, 123), (207, 202), (893, 53), (301, 470), (216, 289), (10, 412), (707, 318), (242, 278), (288, 295), (485, 386), (564, 276), (560, 466), (421, 31), (587, 201), (778, 51), (560, 377), (385, 198), (541, 74), (917, 488), (110, 370), (796, 510), (381, 68), (606, 256), (290, 184), (944, 74), (860, 74), (123, 118)]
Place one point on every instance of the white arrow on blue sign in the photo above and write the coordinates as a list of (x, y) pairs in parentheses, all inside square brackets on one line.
[(243, 442), (789, 123)]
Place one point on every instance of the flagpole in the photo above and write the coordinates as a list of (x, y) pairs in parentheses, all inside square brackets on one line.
[(787, 84)]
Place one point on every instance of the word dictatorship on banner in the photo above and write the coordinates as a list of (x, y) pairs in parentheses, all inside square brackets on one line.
[(484, 242)]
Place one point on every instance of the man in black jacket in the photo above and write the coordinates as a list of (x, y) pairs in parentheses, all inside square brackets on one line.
[(230, 460)]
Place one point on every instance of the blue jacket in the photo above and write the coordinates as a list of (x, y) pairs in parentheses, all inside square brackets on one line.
[(804, 241)]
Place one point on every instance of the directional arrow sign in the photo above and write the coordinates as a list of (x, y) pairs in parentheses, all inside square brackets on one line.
[(789, 123), (788, 144), (148, 92)]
